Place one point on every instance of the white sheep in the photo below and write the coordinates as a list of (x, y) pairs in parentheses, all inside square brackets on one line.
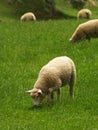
[(85, 30), (58, 72), (28, 17), (84, 13)]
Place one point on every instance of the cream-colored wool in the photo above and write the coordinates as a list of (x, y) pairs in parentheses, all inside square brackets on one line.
[(85, 30), (58, 72), (84, 13), (28, 17)]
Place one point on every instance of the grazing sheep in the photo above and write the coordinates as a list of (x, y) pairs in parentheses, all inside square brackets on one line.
[(84, 13), (58, 72), (86, 30), (28, 17)]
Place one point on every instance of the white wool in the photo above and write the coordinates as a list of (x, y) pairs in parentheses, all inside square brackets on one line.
[(60, 68)]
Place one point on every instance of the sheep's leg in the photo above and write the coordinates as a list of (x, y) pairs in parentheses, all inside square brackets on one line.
[(71, 84), (50, 96), (49, 100), (86, 36), (71, 90), (58, 94), (89, 39)]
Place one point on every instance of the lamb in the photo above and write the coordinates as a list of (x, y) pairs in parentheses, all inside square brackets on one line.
[(84, 13), (58, 72), (86, 30), (28, 17)]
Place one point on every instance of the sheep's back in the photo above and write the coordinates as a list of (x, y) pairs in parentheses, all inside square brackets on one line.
[(58, 68), (89, 27)]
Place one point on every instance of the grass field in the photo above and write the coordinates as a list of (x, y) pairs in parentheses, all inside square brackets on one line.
[(24, 49)]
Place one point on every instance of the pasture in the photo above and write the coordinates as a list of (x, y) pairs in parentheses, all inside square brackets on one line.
[(24, 49)]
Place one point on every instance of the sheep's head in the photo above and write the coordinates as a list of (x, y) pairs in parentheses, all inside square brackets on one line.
[(37, 96)]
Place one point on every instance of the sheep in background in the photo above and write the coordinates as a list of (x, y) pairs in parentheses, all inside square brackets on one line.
[(84, 13), (28, 17), (58, 72), (85, 30)]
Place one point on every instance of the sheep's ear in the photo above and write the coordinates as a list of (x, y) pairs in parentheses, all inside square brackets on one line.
[(39, 92), (29, 91)]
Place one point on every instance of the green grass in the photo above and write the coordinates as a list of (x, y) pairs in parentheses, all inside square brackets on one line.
[(24, 49)]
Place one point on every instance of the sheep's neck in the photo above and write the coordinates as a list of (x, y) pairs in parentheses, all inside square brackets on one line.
[(42, 84)]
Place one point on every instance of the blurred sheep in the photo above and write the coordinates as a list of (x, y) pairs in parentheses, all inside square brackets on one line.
[(28, 17), (85, 30), (84, 13)]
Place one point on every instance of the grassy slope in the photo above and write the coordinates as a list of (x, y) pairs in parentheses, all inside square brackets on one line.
[(24, 49)]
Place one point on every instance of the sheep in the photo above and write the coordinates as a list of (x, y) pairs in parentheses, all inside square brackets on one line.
[(58, 72), (84, 13), (85, 30), (28, 17)]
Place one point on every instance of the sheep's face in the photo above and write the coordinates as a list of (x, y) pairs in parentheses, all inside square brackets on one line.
[(78, 36), (74, 38), (37, 96)]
